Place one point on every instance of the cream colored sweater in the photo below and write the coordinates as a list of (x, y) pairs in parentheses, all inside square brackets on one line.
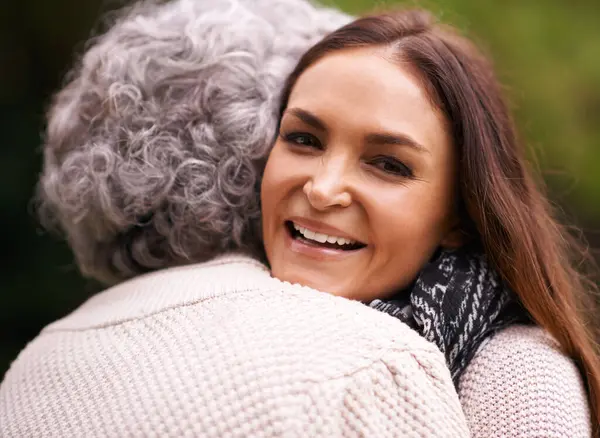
[(224, 350)]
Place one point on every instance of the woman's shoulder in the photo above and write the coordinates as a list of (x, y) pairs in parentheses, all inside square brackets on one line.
[(521, 384)]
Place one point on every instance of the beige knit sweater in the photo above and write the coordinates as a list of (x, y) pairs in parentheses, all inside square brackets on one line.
[(224, 350)]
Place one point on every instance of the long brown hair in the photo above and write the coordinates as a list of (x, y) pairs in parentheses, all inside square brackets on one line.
[(505, 209)]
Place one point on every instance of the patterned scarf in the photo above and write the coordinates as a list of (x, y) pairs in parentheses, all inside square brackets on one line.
[(457, 302)]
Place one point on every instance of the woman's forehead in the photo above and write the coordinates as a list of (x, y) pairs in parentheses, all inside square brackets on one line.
[(362, 90)]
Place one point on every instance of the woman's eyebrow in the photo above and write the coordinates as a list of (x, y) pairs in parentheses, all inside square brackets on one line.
[(374, 138), (308, 118), (396, 138)]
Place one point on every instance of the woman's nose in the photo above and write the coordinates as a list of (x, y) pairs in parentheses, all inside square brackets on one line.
[(328, 188)]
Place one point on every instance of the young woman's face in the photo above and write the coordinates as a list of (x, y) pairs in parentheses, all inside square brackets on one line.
[(359, 189)]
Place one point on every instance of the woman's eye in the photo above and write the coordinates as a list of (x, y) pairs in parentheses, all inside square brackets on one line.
[(392, 166), (302, 139)]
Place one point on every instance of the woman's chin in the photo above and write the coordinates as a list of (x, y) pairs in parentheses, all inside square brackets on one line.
[(319, 280)]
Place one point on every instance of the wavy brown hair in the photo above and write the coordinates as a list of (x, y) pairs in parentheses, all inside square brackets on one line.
[(504, 207)]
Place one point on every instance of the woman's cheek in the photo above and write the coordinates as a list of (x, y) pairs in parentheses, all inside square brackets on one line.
[(282, 166), (408, 218)]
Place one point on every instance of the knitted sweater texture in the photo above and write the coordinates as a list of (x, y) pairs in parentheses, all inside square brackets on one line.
[(224, 350), (521, 385)]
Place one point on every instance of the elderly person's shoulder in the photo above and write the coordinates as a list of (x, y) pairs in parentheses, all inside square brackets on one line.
[(224, 349)]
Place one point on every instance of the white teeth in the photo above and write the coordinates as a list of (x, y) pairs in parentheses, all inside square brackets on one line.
[(322, 238)]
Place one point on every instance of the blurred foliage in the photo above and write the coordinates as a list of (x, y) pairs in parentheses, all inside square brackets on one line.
[(547, 54)]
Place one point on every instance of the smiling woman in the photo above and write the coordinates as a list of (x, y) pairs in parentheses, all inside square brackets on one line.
[(394, 134), (153, 155), (386, 171), (359, 139)]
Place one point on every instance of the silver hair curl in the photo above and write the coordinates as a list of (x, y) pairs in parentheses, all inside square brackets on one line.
[(154, 148)]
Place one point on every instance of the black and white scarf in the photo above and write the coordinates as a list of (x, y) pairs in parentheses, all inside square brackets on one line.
[(457, 302)]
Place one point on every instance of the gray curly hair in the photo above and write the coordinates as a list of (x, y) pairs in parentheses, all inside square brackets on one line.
[(154, 148)]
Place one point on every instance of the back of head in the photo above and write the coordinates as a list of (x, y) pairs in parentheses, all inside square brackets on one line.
[(154, 146)]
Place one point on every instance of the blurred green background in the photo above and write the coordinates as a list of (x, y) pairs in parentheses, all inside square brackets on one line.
[(547, 54)]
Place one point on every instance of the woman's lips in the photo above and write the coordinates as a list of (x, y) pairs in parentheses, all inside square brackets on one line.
[(323, 228), (314, 249)]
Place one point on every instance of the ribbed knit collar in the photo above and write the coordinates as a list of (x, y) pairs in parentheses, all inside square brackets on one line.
[(164, 289)]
